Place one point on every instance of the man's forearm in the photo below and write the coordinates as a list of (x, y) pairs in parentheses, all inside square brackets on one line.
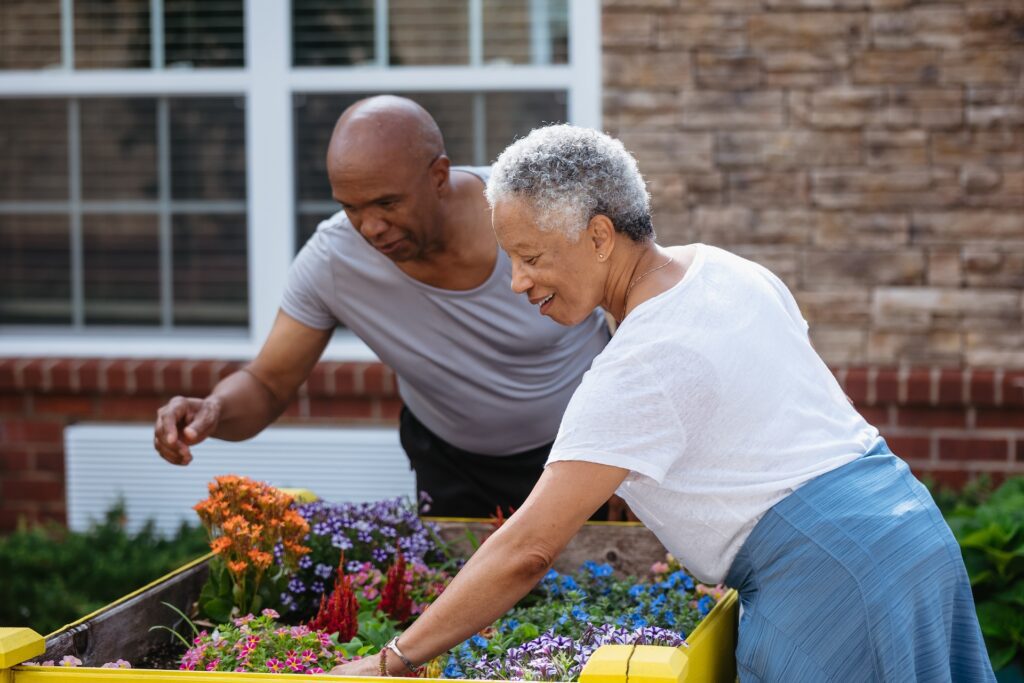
[(247, 406)]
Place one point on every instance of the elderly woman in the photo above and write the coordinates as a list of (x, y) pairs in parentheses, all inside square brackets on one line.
[(712, 415)]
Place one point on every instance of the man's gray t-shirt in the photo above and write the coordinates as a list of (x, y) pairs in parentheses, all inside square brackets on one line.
[(481, 368)]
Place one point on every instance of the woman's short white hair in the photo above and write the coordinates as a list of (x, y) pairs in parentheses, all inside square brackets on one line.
[(570, 174)]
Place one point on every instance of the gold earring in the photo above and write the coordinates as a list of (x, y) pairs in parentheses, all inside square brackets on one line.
[(600, 257)]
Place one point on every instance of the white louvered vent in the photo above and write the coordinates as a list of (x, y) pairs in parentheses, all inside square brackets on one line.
[(107, 462)]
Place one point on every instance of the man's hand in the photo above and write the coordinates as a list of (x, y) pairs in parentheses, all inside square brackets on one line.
[(182, 423)]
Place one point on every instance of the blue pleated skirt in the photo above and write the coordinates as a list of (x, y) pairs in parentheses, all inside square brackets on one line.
[(855, 576)]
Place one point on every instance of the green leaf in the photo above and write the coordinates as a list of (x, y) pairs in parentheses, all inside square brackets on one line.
[(218, 610), (1002, 655)]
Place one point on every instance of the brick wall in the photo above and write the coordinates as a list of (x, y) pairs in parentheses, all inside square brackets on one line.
[(948, 424), (870, 152), (38, 398)]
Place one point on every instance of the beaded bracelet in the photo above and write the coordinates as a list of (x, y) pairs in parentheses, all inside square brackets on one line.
[(384, 662)]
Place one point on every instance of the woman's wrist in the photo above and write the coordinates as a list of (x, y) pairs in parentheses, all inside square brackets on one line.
[(406, 663)]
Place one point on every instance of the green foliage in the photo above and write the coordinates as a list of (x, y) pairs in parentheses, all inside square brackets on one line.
[(219, 595), (991, 537), (975, 492), (375, 630), (52, 576)]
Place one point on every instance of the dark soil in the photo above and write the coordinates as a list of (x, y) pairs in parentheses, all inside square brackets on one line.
[(166, 656)]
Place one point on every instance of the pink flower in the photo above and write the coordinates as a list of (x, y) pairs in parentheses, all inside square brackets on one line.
[(659, 567), (314, 670), (294, 663), (270, 613), (308, 656), (119, 664), (274, 665), (241, 621), (69, 660), (212, 666)]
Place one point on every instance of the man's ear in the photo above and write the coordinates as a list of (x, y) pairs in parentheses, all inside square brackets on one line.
[(440, 175)]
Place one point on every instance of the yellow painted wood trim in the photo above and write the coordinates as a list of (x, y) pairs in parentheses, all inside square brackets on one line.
[(301, 495), (657, 664), (18, 645), (608, 664), (151, 584)]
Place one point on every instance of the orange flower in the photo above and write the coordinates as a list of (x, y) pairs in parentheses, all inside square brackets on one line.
[(238, 566), (246, 519)]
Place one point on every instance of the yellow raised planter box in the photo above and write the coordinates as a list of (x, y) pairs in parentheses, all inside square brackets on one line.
[(121, 629)]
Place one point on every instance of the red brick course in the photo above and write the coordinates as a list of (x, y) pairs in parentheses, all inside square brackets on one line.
[(948, 424)]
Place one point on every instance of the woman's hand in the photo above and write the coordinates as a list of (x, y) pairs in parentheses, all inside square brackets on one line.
[(367, 666)]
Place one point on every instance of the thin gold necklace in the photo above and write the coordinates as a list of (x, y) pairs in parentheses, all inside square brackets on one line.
[(625, 299)]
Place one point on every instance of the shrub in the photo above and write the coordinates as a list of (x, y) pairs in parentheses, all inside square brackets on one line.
[(991, 537), (52, 576)]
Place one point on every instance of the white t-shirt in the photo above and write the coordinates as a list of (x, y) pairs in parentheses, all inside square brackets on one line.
[(711, 394)]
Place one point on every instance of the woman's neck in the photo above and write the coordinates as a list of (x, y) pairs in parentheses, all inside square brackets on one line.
[(628, 266)]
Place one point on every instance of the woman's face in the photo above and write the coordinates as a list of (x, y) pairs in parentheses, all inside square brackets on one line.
[(562, 277)]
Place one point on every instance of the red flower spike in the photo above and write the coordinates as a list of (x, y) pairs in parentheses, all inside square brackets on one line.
[(340, 612), (394, 599), (499, 517)]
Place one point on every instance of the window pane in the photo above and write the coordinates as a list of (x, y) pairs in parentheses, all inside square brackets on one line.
[(315, 116), (202, 33), (332, 32), (512, 115), (34, 140), (210, 271), (526, 31), (207, 148), (119, 149), (422, 33), (35, 270), (29, 34), (122, 270), (112, 34)]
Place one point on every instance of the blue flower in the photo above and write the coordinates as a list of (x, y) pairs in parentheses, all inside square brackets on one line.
[(569, 583), (452, 669), (636, 591), (704, 605), (478, 641), (579, 614), (678, 578)]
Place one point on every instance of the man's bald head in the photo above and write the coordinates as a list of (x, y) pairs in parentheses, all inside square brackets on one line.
[(387, 129)]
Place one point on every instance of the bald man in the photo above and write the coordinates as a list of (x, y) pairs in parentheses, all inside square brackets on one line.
[(410, 264)]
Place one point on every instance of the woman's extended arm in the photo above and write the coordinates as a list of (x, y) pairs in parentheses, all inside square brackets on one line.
[(508, 565)]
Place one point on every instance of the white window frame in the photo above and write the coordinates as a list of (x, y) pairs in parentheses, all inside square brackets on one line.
[(268, 83)]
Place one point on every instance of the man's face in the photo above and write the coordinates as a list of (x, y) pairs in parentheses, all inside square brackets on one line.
[(393, 203)]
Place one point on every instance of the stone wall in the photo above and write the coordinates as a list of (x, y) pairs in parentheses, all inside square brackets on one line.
[(870, 152)]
